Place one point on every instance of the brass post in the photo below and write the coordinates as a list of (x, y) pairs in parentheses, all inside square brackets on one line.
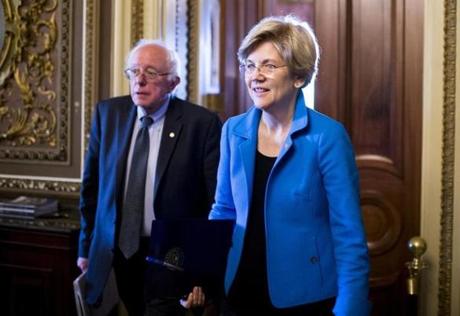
[(417, 246)]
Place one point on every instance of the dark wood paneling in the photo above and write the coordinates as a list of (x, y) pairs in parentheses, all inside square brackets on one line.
[(238, 18), (331, 84), (37, 267)]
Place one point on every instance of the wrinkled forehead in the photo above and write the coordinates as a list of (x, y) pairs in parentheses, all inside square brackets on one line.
[(264, 52), (150, 55)]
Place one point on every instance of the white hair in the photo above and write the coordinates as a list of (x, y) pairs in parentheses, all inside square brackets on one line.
[(173, 59)]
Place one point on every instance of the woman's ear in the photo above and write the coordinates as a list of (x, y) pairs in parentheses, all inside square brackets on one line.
[(298, 83)]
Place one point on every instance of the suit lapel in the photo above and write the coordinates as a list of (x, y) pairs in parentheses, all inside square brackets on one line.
[(124, 123), (171, 132)]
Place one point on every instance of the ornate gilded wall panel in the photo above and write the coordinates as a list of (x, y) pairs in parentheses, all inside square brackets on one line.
[(34, 81), (44, 85)]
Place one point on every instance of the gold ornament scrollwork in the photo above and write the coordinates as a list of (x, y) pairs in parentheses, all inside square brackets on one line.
[(448, 158), (10, 38), (28, 114), (39, 185), (137, 21)]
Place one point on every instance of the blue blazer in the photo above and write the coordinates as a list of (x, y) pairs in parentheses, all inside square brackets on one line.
[(185, 176), (315, 240)]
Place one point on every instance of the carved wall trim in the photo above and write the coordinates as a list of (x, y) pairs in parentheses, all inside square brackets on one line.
[(34, 110), (193, 40), (137, 21), (448, 158), (52, 186), (89, 57), (181, 44)]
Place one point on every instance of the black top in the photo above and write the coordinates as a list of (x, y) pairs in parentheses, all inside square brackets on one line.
[(250, 285)]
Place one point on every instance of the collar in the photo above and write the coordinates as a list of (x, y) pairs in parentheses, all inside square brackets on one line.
[(248, 127), (158, 114)]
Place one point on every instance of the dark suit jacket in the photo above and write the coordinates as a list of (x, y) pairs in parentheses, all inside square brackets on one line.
[(185, 176)]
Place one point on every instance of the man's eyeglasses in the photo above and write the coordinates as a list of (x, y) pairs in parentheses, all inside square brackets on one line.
[(265, 69), (149, 73)]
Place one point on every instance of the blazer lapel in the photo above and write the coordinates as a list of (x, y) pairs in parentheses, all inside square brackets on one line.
[(299, 122), (171, 132), (124, 123), (247, 131)]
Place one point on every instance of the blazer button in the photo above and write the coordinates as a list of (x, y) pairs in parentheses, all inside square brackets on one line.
[(314, 259)]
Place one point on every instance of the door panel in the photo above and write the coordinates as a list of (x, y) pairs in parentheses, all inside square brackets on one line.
[(371, 80)]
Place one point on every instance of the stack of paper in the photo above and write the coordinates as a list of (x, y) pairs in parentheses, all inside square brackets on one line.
[(27, 207)]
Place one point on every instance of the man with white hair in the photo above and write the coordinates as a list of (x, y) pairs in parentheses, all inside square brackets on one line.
[(151, 156)]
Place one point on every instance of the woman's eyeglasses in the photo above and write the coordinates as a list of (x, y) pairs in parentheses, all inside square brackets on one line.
[(265, 69)]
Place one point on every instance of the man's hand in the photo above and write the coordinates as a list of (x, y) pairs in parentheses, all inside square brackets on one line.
[(196, 298), (82, 263)]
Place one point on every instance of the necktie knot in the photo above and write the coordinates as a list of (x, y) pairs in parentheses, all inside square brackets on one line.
[(146, 121)]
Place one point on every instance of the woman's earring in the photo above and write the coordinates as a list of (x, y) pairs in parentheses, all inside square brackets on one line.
[(297, 85)]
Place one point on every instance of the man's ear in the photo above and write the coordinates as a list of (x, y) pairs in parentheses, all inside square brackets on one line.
[(174, 82)]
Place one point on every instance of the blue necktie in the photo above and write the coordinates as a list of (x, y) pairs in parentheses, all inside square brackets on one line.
[(133, 204)]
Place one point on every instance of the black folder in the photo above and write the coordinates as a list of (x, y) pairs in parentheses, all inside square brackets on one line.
[(186, 253)]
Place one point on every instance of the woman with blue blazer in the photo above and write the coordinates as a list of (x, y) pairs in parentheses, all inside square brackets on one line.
[(287, 176)]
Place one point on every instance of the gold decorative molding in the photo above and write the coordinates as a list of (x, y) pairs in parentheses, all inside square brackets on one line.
[(448, 158), (181, 42), (193, 40), (39, 185), (34, 109), (90, 53), (137, 21), (9, 38)]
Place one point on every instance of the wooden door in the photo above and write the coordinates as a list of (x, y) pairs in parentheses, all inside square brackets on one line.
[(370, 79)]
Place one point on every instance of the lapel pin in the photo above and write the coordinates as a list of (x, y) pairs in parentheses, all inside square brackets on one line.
[(172, 135)]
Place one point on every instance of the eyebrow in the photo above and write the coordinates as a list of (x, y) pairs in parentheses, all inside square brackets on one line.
[(265, 61), (142, 66)]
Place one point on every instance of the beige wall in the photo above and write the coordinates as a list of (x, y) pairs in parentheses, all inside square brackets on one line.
[(432, 161), (432, 153), (121, 36)]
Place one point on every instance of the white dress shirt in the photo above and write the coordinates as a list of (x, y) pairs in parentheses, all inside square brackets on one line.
[(155, 131)]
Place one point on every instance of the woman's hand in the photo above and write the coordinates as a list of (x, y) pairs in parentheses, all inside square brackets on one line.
[(196, 298)]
